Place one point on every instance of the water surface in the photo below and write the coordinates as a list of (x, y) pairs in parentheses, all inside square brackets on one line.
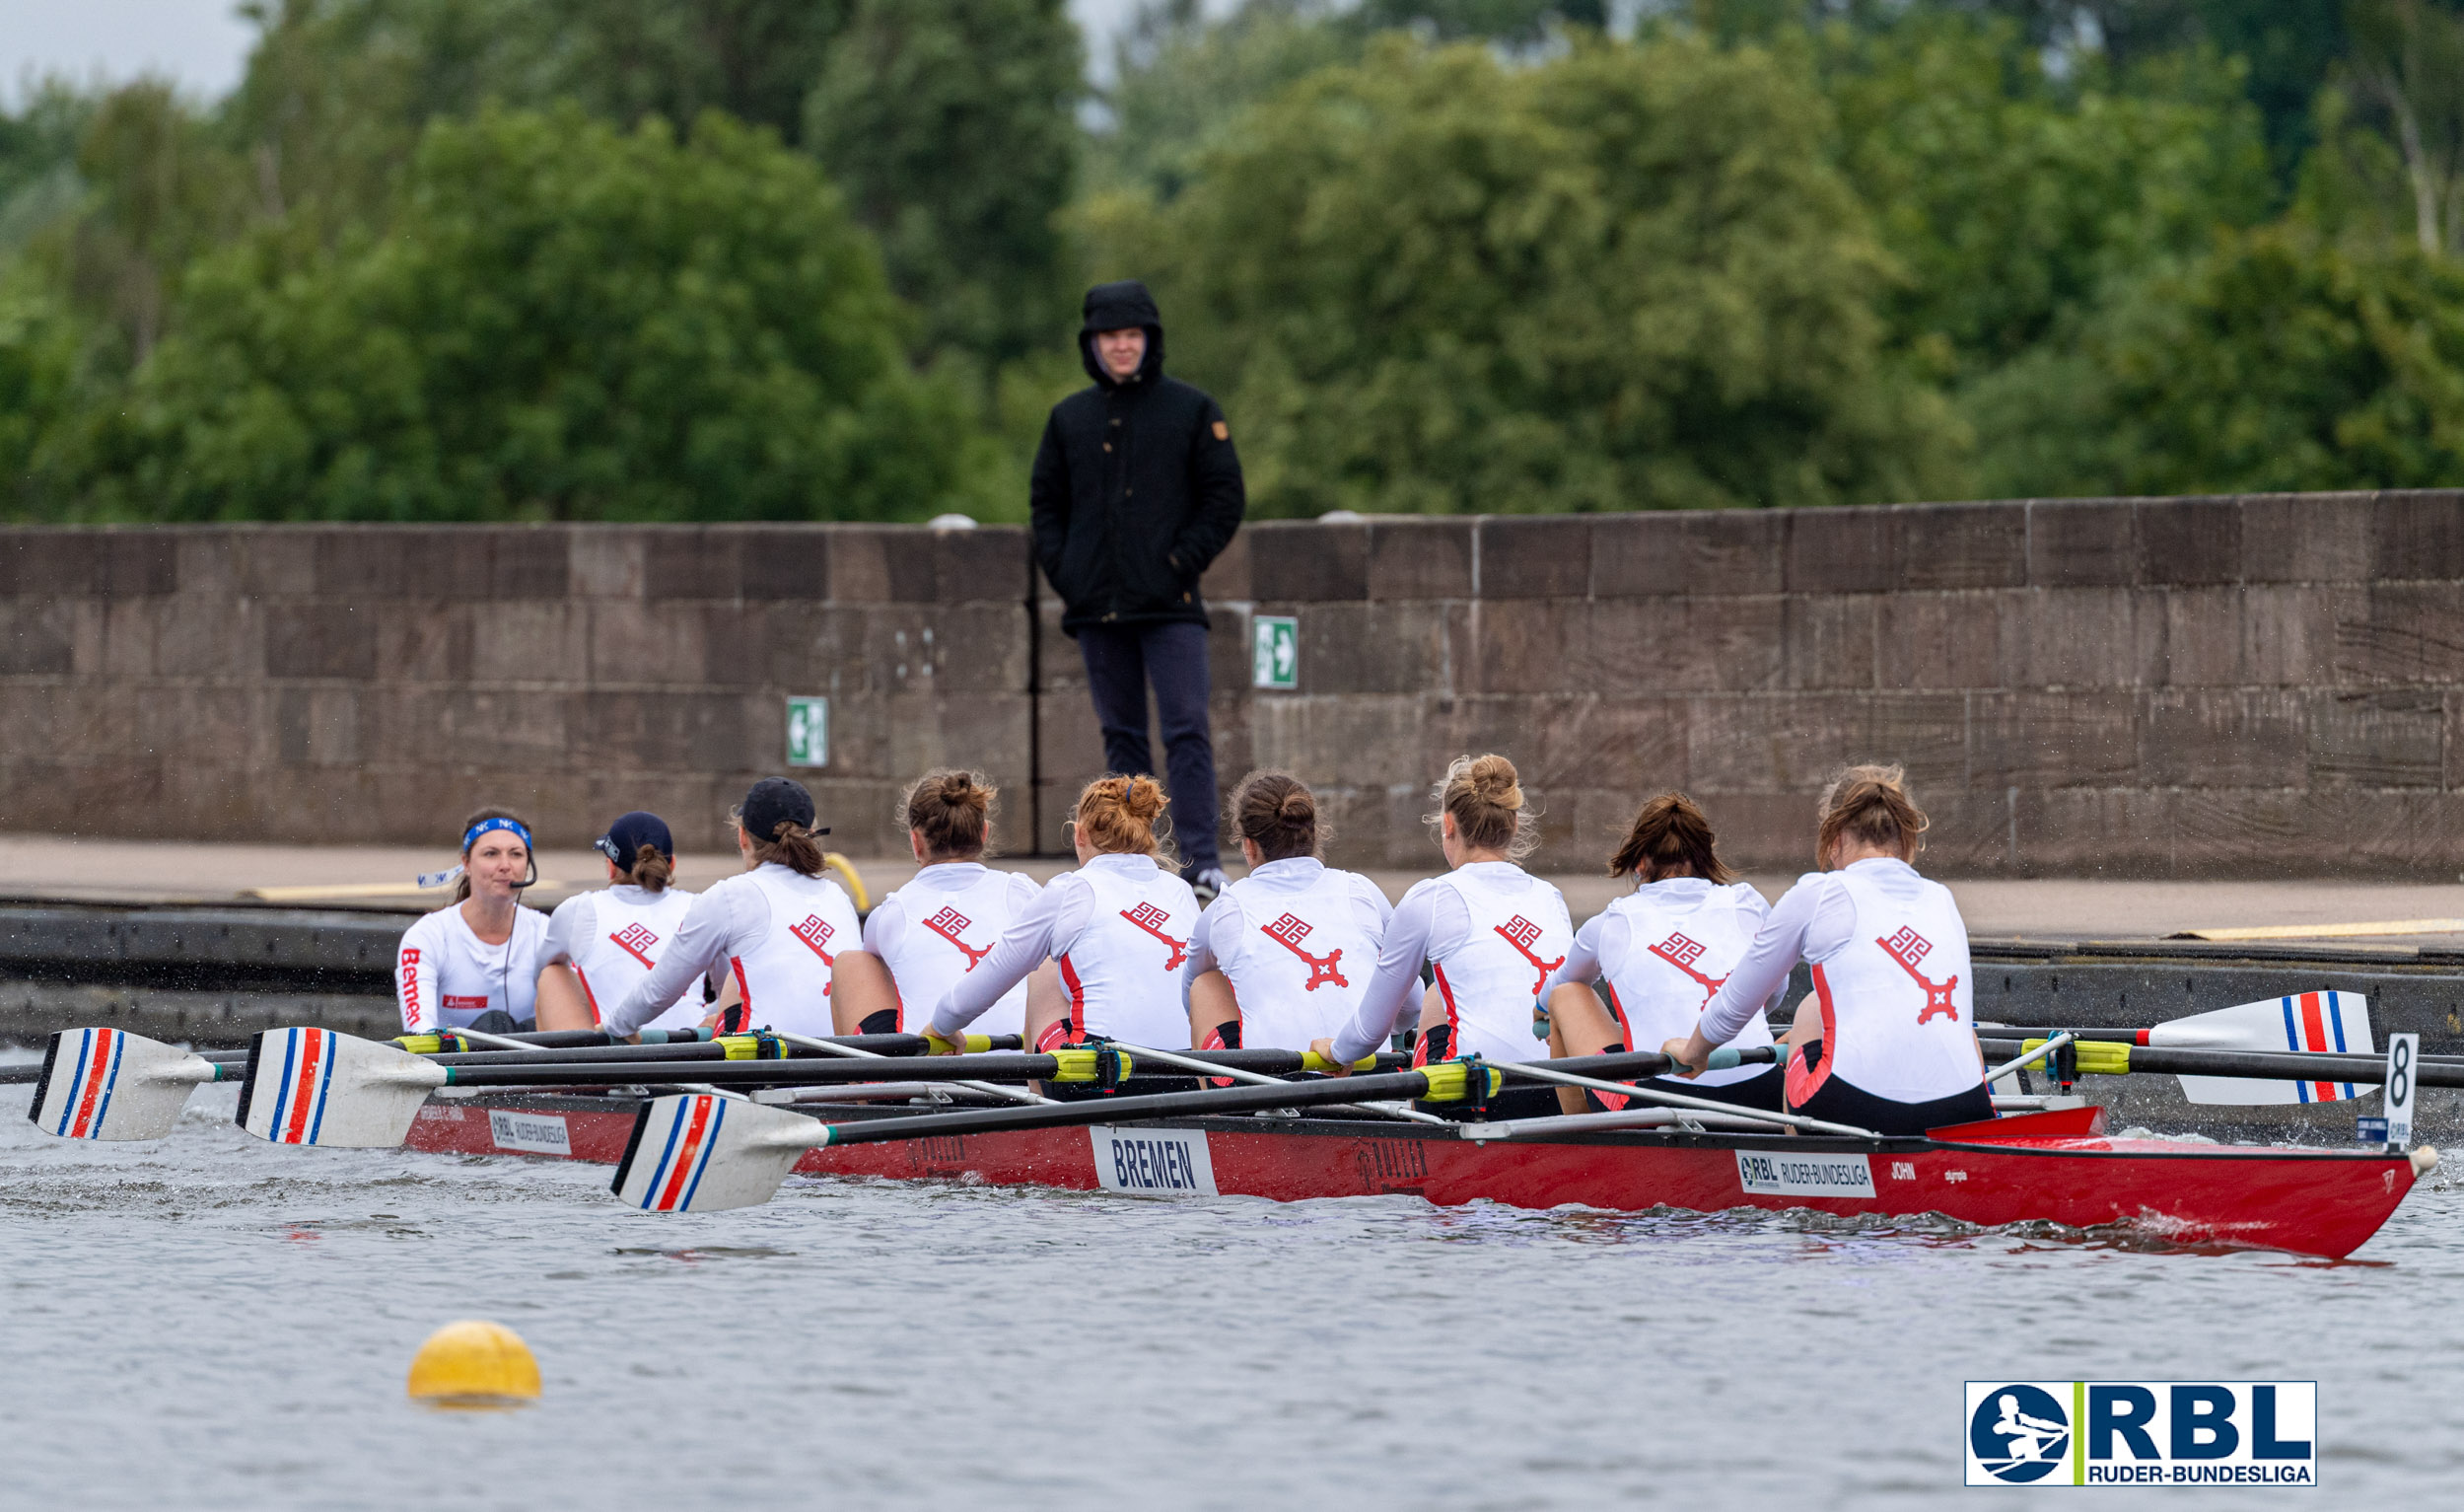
[(209, 1321)]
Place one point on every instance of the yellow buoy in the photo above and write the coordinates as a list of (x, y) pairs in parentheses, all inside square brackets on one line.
[(474, 1364)]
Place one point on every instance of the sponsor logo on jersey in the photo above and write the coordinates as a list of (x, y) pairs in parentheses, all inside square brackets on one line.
[(636, 940), (1151, 919), (1908, 947), (1287, 932), (815, 932), (950, 924), (1522, 934), (2142, 1432)]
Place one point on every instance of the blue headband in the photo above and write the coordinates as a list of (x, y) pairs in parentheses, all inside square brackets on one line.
[(472, 834)]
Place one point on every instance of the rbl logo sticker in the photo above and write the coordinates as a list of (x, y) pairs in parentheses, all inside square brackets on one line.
[(2142, 1432)]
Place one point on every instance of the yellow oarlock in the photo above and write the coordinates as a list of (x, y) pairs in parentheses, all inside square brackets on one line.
[(753, 1047), (1450, 1081), (2097, 1057), (474, 1364), (447, 1042), (968, 1044), (1076, 1063)]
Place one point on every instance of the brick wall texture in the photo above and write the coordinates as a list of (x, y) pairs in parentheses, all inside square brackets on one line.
[(2197, 686)]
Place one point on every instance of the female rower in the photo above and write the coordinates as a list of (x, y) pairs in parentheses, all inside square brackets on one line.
[(1116, 932), (1492, 931), (1660, 952), (475, 965), (1283, 956), (1892, 1045), (937, 929), (777, 925), (601, 945)]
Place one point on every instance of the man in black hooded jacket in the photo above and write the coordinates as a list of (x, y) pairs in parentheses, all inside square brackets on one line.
[(1136, 489)]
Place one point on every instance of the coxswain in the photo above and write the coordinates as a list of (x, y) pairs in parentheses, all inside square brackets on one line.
[(1283, 957), (1659, 952), (776, 927), (1490, 931), (475, 964), (1115, 934), (921, 940), (602, 944), (1890, 1043)]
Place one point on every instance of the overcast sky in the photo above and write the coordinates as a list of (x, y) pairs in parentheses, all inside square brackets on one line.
[(202, 43)]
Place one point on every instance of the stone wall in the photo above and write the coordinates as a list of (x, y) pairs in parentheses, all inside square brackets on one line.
[(378, 682), (2260, 686)]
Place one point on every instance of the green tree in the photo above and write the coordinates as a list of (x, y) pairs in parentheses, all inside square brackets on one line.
[(2016, 201), (563, 320), (2283, 360), (952, 125), (1181, 79), (1629, 276)]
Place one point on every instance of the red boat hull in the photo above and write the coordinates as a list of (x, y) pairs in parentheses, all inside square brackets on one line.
[(2310, 1201)]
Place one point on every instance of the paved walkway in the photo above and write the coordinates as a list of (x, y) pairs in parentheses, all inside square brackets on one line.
[(170, 871)]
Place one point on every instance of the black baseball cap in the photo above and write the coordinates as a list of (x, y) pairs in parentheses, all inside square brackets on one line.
[(774, 800), (625, 839)]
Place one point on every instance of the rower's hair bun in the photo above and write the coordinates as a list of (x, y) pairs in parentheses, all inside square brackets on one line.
[(1278, 812), (1118, 816), (1870, 803), (954, 810), (1495, 780), (1484, 795)]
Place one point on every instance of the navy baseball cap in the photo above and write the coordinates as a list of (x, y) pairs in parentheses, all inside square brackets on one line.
[(625, 839), (772, 801)]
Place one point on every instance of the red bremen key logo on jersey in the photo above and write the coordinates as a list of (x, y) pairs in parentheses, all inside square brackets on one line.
[(635, 940), (1520, 933), (1151, 918), (1682, 953), (1908, 947), (947, 924), (1287, 932), (815, 932)]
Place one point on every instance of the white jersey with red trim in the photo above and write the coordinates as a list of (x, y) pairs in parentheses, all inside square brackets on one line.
[(614, 939), (1519, 934), (445, 977), (784, 973), (938, 928), (1666, 948), (1897, 1000), (1122, 971), (1299, 941)]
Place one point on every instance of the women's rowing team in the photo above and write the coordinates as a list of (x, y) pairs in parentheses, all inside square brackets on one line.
[(1295, 955)]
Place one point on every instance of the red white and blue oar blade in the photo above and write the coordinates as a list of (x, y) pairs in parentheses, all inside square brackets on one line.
[(111, 1084), (696, 1154), (314, 1086), (2310, 1023)]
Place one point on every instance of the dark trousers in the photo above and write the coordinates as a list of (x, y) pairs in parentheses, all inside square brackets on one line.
[(1121, 660)]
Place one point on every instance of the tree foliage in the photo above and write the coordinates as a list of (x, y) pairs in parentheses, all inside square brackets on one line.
[(565, 320), (950, 123), (1629, 276)]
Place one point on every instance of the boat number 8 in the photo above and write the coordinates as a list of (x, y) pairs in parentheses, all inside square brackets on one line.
[(2400, 1074)]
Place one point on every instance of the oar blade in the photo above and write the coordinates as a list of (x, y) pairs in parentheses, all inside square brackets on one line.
[(2311, 1023), (111, 1084), (695, 1153), (314, 1086)]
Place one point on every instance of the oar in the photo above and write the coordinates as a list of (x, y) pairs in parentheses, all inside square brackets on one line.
[(1255, 1078), (832, 1048), (1083, 1064), (699, 1154), (1723, 1058), (111, 1084), (2106, 1058)]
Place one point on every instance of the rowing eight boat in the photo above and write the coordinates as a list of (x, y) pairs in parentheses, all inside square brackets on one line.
[(2057, 1168)]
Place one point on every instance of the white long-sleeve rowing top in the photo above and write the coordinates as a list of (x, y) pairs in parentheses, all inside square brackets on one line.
[(1119, 928), (1488, 991), (738, 921)]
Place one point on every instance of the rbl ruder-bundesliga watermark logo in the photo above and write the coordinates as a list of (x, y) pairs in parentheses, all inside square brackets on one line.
[(2142, 1432)]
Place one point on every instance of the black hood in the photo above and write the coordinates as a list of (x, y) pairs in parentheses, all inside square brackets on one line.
[(1117, 307)]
